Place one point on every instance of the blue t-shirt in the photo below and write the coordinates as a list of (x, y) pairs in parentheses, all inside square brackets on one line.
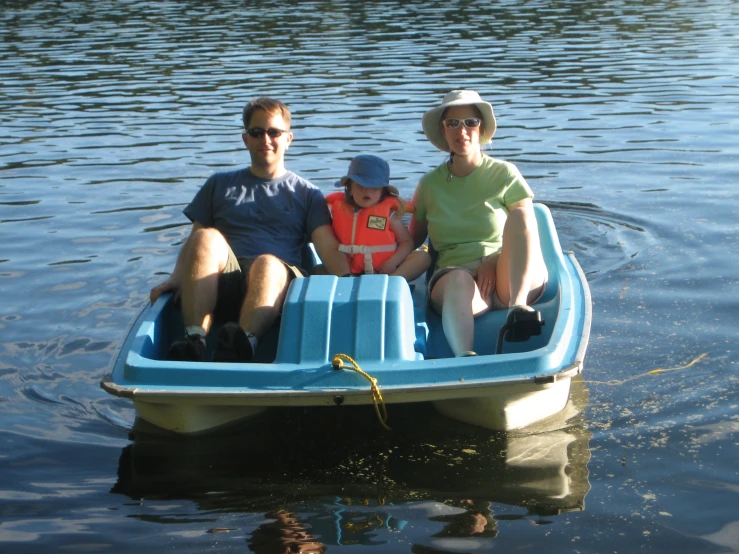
[(261, 216)]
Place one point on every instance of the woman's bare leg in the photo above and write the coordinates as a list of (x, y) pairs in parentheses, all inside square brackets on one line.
[(456, 297), (520, 268)]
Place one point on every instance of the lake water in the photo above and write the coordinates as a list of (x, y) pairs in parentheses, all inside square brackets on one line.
[(624, 117)]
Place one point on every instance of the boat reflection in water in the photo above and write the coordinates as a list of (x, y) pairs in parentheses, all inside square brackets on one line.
[(333, 476)]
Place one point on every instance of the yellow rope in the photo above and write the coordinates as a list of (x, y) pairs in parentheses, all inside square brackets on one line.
[(380, 408), (651, 372)]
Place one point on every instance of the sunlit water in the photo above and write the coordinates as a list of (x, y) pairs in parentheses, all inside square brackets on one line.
[(622, 115)]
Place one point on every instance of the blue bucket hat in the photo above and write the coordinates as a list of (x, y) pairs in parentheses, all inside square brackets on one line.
[(370, 172)]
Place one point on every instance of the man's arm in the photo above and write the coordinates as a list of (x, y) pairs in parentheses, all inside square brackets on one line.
[(327, 245), (174, 282)]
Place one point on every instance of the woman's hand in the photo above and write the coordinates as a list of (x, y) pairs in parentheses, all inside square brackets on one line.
[(485, 276)]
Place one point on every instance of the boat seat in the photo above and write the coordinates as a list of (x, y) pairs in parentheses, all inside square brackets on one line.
[(488, 324), (486, 327)]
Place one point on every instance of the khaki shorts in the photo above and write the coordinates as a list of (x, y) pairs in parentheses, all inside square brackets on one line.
[(234, 282), (469, 267), (494, 302)]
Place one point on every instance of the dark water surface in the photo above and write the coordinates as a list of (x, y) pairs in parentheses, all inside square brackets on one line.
[(624, 117)]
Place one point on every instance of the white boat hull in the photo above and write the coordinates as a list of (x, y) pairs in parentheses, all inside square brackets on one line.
[(509, 408), (499, 408)]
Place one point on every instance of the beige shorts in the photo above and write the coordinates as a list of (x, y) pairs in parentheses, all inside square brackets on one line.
[(494, 302)]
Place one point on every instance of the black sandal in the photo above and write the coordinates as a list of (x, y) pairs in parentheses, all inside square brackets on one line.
[(522, 323)]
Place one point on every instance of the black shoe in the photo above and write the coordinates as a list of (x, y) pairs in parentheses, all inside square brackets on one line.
[(190, 348), (233, 345), (523, 323)]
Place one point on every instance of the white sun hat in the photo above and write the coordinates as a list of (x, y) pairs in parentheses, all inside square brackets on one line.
[(432, 118)]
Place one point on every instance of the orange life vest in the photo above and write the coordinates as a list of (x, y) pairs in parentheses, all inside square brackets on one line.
[(364, 235)]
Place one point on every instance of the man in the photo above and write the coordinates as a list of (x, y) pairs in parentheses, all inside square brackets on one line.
[(249, 227)]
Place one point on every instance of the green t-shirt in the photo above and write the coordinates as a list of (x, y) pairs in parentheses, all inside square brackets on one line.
[(466, 215)]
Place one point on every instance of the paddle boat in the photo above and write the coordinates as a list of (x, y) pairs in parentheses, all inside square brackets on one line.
[(369, 340)]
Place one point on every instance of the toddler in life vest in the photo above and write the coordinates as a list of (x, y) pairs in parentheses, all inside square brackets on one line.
[(367, 222)]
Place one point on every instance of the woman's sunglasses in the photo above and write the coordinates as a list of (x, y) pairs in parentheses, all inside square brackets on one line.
[(258, 132), (470, 122)]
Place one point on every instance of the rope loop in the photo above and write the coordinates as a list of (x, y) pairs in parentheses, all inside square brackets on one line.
[(338, 362)]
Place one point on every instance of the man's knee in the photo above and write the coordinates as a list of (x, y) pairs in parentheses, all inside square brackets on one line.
[(269, 267), (267, 262), (208, 241)]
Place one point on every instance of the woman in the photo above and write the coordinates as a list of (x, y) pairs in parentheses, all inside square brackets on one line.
[(479, 215)]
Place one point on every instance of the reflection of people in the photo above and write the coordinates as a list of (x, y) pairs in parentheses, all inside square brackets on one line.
[(470, 523), (285, 535), (475, 521), (478, 213), (245, 245), (367, 222)]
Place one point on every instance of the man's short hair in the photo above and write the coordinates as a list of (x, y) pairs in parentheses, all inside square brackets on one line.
[(269, 105)]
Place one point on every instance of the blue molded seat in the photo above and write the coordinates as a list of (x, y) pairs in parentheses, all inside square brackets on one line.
[(369, 318)]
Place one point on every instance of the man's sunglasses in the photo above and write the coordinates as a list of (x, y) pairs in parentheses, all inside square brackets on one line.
[(470, 122), (258, 132)]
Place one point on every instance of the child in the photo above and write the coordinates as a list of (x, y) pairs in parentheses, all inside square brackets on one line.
[(367, 222)]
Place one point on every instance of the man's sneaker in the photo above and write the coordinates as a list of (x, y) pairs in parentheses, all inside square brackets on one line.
[(190, 348), (233, 345)]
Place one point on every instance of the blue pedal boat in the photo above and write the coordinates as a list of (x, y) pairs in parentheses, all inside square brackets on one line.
[(362, 341)]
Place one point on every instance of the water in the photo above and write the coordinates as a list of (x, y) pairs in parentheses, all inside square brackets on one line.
[(623, 117)]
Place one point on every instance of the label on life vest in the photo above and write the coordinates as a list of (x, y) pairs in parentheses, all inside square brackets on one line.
[(376, 222)]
